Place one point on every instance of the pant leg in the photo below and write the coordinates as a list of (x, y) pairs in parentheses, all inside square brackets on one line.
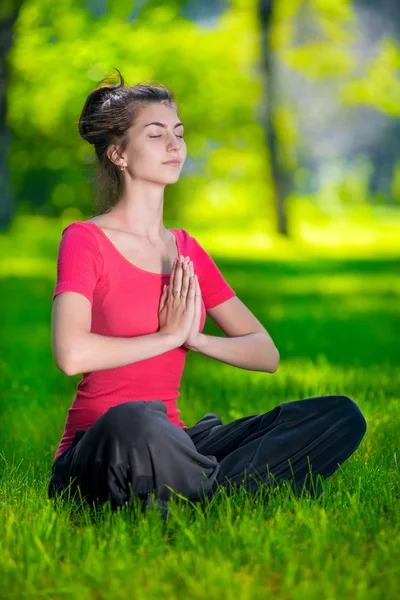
[(134, 448), (60, 471), (316, 434)]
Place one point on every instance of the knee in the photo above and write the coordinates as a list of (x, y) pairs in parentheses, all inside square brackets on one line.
[(353, 415)]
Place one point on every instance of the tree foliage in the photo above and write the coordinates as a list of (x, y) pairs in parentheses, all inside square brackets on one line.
[(62, 50)]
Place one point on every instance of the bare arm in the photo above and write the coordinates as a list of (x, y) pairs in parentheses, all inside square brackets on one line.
[(254, 351), (248, 345), (95, 352), (76, 350)]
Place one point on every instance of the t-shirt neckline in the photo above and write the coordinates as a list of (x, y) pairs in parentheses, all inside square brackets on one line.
[(174, 232)]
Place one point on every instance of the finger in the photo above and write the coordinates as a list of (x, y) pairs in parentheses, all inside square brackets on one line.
[(194, 281), (192, 289), (198, 290), (163, 297), (192, 271), (186, 279), (172, 286), (178, 276), (172, 274), (198, 295), (171, 280), (197, 306)]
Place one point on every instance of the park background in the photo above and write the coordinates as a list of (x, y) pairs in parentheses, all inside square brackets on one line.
[(292, 184)]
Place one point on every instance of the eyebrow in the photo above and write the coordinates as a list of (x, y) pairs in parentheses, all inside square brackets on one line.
[(162, 124)]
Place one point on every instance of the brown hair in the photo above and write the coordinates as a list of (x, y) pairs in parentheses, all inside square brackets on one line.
[(109, 111)]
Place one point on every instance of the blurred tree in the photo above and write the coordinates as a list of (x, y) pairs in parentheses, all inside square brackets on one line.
[(336, 67), (9, 10), (280, 174), (311, 90)]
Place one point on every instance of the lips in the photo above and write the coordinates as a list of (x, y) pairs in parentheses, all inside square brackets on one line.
[(172, 162)]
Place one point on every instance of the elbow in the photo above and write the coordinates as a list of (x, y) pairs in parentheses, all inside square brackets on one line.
[(70, 370), (66, 366), (71, 367), (271, 354), (275, 363)]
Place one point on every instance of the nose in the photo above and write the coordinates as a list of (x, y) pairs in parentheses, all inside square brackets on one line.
[(174, 143)]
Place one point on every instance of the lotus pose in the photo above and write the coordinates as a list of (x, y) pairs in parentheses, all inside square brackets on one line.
[(130, 301)]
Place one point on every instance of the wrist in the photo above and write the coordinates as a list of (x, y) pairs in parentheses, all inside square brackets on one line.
[(201, 340), (169, 341)]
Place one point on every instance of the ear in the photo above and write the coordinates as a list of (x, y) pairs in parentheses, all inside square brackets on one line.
[(114, 155)]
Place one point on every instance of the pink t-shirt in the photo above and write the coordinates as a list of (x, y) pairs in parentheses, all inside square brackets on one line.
[(125, 301)]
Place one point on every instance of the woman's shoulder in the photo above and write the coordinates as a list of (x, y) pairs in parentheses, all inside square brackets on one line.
[(78, 240), (187, 241), (79, 229), (185, 236), (191, 241), (80, 233), (76, 226)]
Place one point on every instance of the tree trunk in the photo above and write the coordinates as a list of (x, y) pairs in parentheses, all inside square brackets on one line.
[(278, 175), (7, 20)]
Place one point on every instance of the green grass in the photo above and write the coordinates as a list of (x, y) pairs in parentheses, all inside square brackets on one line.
[(335, 320)]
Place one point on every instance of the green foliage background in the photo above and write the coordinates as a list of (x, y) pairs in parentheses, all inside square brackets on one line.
[(328, 295), (62, 50), (208, 70)]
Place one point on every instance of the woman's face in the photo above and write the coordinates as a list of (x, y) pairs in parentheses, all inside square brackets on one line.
[(151, 146)]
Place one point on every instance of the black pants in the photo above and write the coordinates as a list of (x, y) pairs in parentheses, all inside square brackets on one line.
[(134, 448)]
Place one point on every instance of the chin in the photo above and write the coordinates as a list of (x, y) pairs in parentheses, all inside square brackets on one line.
[(173, 177)]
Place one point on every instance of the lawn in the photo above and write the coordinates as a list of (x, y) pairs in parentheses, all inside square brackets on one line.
[(334, 317)]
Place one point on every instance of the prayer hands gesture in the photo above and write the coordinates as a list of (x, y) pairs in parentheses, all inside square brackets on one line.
[(180, 304)]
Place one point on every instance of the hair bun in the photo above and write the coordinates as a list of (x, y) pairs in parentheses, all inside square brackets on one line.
[(92, 106), (91, 123)]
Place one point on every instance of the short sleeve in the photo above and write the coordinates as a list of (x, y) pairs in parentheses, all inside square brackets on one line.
[(214, 288), (79, 262)]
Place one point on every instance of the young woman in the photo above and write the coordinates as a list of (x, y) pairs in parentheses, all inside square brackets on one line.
[(130, 301)]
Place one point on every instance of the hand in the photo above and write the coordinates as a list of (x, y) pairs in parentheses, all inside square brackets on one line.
[(176, 312), (194, 334)]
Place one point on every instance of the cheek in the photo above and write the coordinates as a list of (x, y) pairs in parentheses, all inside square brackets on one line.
[(145, 157)]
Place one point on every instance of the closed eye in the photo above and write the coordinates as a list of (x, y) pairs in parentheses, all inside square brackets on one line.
[(157, 136)]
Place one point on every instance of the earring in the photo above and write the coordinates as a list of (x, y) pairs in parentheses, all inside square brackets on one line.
[(122, 168)]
